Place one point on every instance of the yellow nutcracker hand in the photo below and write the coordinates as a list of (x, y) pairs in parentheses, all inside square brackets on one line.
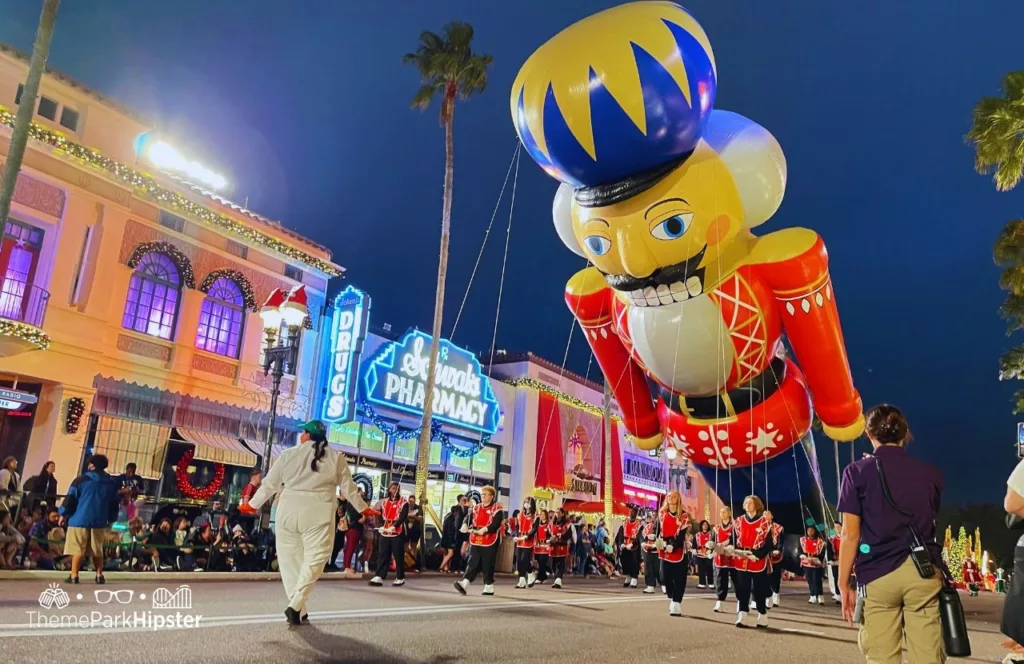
[(585, 282), (845, 434), (648, 443)]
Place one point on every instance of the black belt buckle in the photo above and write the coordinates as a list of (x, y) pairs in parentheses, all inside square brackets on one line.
[(743, 398)]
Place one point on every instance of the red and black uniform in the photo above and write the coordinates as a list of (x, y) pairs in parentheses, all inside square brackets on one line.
[(559, 541), (751, 537), (540, 533), (391, 544), (652, 564), (705, 566), (524, 547), (674, 530), (834, 542), (812, 560), (724, 572), (483, 547), (778, 537), (628, 541)]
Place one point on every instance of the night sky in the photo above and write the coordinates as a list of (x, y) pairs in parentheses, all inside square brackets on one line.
[(305, 107)]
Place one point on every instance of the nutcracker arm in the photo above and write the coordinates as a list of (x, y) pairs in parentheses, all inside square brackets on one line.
[(794, 263), (589, 298)]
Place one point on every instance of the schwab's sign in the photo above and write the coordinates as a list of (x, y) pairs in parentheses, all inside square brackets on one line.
[(348, 329), (397, 378), (643, 472)]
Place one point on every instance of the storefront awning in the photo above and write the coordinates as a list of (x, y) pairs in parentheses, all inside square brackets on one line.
[(125, 441), (258, 446), (218, 448)]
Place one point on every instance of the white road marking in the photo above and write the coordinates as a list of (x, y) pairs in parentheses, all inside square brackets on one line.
[(799, 631)]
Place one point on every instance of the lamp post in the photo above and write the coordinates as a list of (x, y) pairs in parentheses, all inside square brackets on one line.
[(281, 350)]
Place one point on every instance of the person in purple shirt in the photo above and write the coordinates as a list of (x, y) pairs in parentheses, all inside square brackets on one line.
[(898, 603)]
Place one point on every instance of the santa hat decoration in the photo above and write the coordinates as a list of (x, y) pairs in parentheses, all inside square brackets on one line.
[(295, 307)]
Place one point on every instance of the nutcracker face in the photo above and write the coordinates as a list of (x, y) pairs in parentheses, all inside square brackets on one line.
[(674, 234)]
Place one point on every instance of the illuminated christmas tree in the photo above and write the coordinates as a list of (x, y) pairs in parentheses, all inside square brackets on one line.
[(947, 545), (978, 554), (956, 556)]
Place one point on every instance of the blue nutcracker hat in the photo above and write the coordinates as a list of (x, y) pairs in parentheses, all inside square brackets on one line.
[(620, 94)]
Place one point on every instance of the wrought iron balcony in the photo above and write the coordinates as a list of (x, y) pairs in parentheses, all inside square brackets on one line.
[(23, 303)]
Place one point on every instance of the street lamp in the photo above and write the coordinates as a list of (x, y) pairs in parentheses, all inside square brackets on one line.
[(281, 350)]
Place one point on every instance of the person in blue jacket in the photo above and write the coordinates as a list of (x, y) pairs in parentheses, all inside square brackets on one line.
[(90, 507)]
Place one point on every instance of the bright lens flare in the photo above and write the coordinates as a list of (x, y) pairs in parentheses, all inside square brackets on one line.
[(164, 156)]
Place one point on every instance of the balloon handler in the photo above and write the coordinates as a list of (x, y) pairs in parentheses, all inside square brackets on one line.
[(685, 309)]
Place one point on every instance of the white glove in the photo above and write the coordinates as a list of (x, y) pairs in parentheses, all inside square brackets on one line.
[(481, 531), (668, 548)]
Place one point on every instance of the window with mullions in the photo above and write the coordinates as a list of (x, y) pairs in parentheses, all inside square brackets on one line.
[(153, 296), (221, 319)]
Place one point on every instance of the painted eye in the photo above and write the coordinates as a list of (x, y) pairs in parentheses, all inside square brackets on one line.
[(597, 245), (673, 227)]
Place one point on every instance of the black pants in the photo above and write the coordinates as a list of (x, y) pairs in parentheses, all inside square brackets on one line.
[(542, 566), (652, 569), (705, 572), (388, 547), (834, 569), (775, 578), (458, 562), (558, 566), (722, 577), (752, 581), (481, 558), (524, 561), (674, 575), (815, 577), (339, 544), (630, 563)]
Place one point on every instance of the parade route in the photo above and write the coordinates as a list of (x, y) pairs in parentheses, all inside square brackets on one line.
[(426, 621)]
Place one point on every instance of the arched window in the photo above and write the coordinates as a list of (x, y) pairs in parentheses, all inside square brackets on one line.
[(153, 296), (220, 321)]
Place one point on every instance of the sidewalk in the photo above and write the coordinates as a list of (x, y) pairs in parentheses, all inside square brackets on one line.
[(87, 577)]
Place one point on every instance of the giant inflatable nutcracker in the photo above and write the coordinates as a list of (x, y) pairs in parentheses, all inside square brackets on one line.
[(684, 307)]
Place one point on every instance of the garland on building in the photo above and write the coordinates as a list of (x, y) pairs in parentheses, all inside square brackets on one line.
[(184, 484), (73, 414), (248, 295), (25, 332), (564, 397), (146, 186), (436, 433), (180, 260)]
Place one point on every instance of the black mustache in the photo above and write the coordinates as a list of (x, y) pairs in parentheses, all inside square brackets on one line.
[(662, 276)]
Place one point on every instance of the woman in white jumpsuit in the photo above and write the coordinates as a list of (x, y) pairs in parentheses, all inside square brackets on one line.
[(307, 476)]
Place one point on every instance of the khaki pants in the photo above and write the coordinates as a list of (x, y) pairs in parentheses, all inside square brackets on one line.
[(900, 604)]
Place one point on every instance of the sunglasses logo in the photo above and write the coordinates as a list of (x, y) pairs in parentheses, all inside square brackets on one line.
[(122, 596)]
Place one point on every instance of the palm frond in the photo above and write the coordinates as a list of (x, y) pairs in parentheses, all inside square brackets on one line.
[(1012, 311), (448, 65), (997, 134), (421, 100), (1018, 402), (1008, 249), (1011, 364)]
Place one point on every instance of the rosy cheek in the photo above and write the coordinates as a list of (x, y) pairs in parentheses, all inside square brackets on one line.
[(718, 230)]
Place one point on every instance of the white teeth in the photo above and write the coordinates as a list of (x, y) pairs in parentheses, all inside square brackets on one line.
[(663, 295), (677, 287), (681, 296), (693, 286), (638, 298), (651, 296)]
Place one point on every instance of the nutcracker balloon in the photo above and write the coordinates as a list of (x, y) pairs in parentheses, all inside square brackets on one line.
[(684, 307)]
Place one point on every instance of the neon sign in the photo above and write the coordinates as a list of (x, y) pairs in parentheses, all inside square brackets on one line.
[(397, 378), (643, 472), (348, 330)]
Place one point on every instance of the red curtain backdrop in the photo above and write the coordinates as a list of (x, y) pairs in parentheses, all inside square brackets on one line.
[(550, 473)]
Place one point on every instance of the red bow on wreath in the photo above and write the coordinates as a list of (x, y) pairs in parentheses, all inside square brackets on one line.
[(184, 484)]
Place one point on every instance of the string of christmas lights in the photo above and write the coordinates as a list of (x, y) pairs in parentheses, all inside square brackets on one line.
[(180, 260), (563, 397), (146, 186), (25, 332), (436, 433), (248, 295), (73, 415)]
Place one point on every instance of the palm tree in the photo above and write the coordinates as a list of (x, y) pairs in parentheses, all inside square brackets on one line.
[(27, 106), (451, 70), (997, 135)]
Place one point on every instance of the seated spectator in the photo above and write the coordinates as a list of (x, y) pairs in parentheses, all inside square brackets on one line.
[(209, 549), (244, 559), (41, 489), (132, 552), (39, 550), (186, 561), (160, 544), (11, 541)]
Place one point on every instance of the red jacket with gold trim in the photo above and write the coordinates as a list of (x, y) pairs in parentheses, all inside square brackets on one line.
[(524, 526), (722, 534), (673, 530), (489, 517), (540, 534), (812, 550), (701, 540), (394, 511), (752, 537)]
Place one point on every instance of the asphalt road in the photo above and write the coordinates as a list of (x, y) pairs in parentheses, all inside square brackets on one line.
[(426, 621)]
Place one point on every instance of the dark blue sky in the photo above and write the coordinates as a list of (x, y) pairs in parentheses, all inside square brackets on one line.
[(305, 107)]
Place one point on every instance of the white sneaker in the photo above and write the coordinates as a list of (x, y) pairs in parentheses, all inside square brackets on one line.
[(701, 586), (531, 579), (768, 603), (461, 586), (775, 600), (632, 583), (837, 599), (663, 591), (376, 581), (649, 590), (740, 617), (522, 583), (718, 607), (675, 609), (398, 582), (557, 583), (488, 590), (812, 600), (762, 621)]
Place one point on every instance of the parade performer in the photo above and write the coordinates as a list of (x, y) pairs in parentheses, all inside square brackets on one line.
[(683, 306), (721, 536), (627, 539), (540, 533), (703, 552), (833, 562), (525, 542), (308, 478), (778, 538), (812, 559), (751, 538), (559, 542), (483, 524), (391, 544), (673, 533), (972, 575), (649, 546)]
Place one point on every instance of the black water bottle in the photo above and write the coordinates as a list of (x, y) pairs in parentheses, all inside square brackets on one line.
[(954, 623)]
